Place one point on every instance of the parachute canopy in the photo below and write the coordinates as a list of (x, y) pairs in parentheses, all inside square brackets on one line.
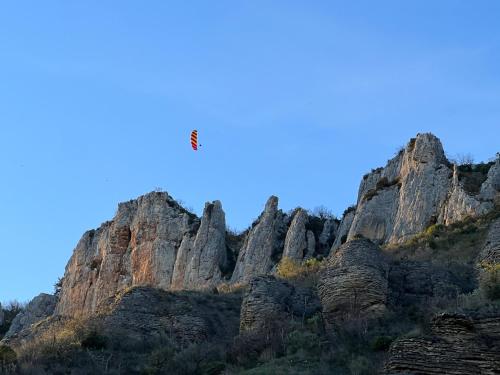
[(194, 139)]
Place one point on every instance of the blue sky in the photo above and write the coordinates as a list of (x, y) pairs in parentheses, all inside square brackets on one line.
[(293, 98)]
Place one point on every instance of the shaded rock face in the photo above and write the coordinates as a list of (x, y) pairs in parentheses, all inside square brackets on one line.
[(343, 230), (414, 283), (417, 188), (458, 345), (354, 283), (146, 315), (151, 241), (262, 242), (40, 307), (1, 315), (268, 298), (491, 251)]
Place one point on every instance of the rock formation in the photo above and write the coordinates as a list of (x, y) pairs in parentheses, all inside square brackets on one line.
[(264, 240), (269, 299), (40, 307), (297, 241), (138, 247), (491, 251), (458, 345), (354, 283), (200, 265), (146, 315), (417, 188), (1, 315)]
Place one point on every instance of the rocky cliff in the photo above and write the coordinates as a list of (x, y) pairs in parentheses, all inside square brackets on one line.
[(153, 241), (417, 188)]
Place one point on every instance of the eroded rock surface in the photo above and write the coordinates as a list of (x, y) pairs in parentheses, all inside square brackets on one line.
[(262, 241), (417, 188), (40, 307), (491, 251), (146, 315), (457, 345), (268, 298), (354, 282)]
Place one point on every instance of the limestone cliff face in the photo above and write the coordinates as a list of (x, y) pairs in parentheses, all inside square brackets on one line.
[(262, 241), (299, 242), (151, 241), (201, 264), (417, 188)]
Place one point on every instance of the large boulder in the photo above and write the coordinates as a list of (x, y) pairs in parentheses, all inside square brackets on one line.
[(269, 299), (457, 345), (354, 283)]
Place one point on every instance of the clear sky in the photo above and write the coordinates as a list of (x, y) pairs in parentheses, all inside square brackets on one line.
[(293, 98)]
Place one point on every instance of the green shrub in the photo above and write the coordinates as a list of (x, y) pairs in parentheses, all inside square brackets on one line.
[(381, 343), (302, 340), (94, 341), (361, 365), (490, 280), (7, 355)]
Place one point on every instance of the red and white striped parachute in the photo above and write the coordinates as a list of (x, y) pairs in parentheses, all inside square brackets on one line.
[(194, 140)]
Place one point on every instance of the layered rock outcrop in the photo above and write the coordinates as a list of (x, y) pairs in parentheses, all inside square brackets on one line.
[(40, 307), (417, 188), (268, 299), (354, 283), (146, 315), (457, 345)]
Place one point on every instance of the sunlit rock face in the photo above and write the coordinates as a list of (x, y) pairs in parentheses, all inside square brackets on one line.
[(151, 241), (417, 188)]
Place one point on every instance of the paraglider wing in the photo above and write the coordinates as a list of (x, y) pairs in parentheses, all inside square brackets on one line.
[(194, 140)]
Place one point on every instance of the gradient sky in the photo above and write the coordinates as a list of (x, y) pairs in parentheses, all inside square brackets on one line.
[(293, 98)]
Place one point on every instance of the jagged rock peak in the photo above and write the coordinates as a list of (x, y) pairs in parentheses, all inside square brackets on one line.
[(262, 242), (417, 188)]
